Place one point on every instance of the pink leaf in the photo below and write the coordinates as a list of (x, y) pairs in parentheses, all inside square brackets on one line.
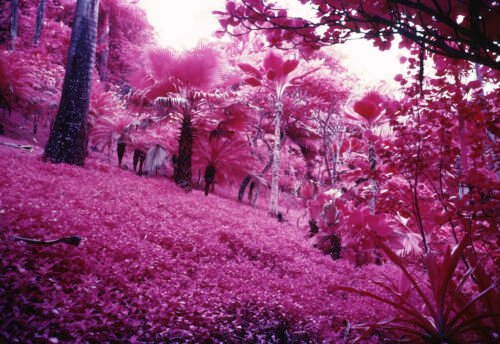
[(271, 75), (249, 69), (253, 82), (289, 66), (273, 62)]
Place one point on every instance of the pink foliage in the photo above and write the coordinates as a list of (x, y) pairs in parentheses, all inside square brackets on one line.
[(155, 263), (198, 68), (407, 178), (370, 107)]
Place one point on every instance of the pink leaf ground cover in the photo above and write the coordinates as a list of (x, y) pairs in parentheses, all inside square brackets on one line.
[(158, 264)]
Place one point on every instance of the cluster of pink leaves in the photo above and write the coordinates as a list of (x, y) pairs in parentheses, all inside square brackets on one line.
[(156, 263)]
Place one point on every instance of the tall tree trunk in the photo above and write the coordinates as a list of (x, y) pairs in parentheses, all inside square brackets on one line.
[(335, 162), (182, 173), (372, 160), (103, 47), (40, 13), (273, 205), (14, 9), (463, 165), (68, 137), (326, 150)]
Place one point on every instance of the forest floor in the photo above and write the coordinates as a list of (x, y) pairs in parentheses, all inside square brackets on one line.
[(159, 264)]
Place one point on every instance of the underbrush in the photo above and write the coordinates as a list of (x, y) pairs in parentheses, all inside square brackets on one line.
[(158, 264)]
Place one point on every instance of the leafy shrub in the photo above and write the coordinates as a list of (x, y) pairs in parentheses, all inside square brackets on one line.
[(448, 313)]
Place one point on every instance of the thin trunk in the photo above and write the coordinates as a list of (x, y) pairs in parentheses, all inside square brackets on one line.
[(264, 171), (40, 14), (334, 167), (243, 186), (250, 191), (14, 9), (135, 159), (372, 160), (463, 166), (273, 205), (495, 166), (416, 205), (103, 48), (325, 156), (142, 157), (68, 137), (183, 173)]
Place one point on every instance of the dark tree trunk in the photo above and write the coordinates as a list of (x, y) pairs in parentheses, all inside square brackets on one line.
[(139, 157), (136, 158), (243, 186), (142, 157), (182, 173), (120, 150), (250, 191), (40, 13), (68, 137), (14, 9), (209, 177)]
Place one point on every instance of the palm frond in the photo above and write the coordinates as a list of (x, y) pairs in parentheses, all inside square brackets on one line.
[(145, 123), (155, 159), (171, 102)]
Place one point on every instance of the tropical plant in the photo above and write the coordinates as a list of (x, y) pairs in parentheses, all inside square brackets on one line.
[(370, 111), (450, 313), (184, 85), (107, 130), (221, 149), (225, 160), (155, 159), (275, 74)]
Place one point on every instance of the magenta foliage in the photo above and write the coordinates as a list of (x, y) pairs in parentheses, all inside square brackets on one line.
[(167, 267), (197, 68)]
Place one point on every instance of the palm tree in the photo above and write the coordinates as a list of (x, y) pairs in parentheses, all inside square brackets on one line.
[(68, 137), (276, 75), (369, 112), (185, 85), (224, 152)]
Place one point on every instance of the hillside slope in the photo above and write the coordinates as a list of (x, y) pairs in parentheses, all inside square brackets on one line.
[(157, 264)]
